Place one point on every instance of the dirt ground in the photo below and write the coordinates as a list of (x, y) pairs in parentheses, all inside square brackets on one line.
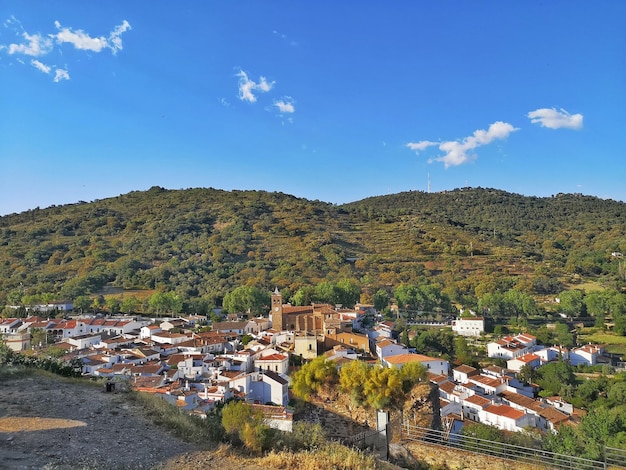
[(47, 423)]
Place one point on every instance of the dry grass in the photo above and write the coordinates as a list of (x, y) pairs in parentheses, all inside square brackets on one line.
[(19, 424), (333, 455)]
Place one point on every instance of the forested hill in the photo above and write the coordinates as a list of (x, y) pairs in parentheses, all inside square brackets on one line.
[(201, 243)]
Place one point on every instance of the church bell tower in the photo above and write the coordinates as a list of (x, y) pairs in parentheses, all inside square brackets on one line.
[(277, 310)]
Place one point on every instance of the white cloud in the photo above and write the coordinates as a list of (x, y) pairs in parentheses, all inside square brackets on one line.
[(37, 45), (421, 145), (285, 105), (60, 74), (79, 39), (556, 119), (459, 152), (40, 66), (115, 40), (247, 87)]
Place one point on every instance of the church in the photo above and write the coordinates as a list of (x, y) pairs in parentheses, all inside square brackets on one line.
[(314, 319)]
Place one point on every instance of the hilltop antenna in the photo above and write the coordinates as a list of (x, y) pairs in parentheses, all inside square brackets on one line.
[(429, 182)]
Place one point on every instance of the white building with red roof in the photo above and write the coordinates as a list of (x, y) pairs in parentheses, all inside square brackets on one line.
[(435, 365), (530, 359), (587, 355), (506, 417), (275, 362), (510, 347)]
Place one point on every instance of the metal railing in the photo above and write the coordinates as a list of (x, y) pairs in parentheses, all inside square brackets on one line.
[(614, 458)]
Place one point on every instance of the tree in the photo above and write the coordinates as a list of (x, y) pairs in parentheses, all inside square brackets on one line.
[(242, 422), (571, 302), (493, 303), (349, 292), (113, 305), (412, 373), (563, 335), (38, 337), (518, 303), (554, 375), (312, 377), (527, 374), (328, 292), (383, 387), (247, 298), (381, 300), (304, 296), (462, 351), (82, 303), (352, 379), (165, 302), (130, 304)]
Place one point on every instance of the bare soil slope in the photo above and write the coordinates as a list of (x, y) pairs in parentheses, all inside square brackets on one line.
[(50, 423)]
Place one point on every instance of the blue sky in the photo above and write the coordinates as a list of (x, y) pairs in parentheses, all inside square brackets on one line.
[(327, 100)]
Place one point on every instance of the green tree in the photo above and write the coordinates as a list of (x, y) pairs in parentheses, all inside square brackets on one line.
[(462, 351), (352, 379), (518, 303), (328, 292), (113, 305), (492, 303), (349, 292), (304, 296), (245, 424), (383, 387), (82, 303), (554, 375), (563, 335), (313, 376), (412, 373), (527, 374), (572, 302), (165, 302), (130, 304), (381, 300), (247, 299)]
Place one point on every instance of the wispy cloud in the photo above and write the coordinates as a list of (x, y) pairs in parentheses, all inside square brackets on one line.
[(457, 152), (115, 38), (285, 105), (60, 74), (421, 145), (284, 38), (556, 119), (38, 45), (248, 87), (40, 66)]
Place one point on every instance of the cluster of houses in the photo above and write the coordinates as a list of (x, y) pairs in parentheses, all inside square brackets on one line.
[(250, 359)]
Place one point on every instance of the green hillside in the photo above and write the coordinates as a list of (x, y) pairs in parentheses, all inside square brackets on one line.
[(201, 243)]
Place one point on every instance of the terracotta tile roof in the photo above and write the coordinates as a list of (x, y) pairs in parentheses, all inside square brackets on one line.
[(447, 386), (273, 357), (486, 381), (289, 309), (526, 358), (505, 411), (384, 343), (406, 358), (437, 378), (465, 369), (478, 400)]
